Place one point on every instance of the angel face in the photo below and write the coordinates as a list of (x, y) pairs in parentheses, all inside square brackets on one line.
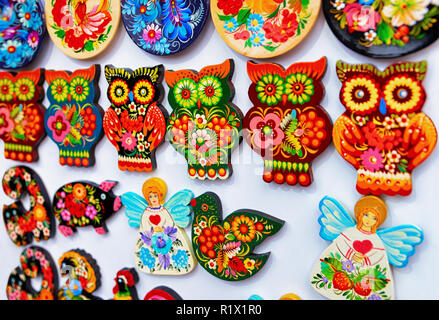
[(154, 199), (368, 221)]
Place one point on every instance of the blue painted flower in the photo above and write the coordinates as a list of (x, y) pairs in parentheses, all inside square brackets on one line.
[(255, 22), (366, 2), (161, 243), (231, 25), (143, 12), (257, 39), (180, 259), (7, 16), (146, 257), (347, 266), (27, 50), (11, 53), (175, 18), (374, 296), (75, 287)]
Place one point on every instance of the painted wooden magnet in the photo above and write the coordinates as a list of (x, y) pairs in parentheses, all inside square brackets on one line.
[(264, 28), (83, 276), (22, 114), (356, 265), (24, 225), (383, 29), (22, 29), (74, 119), (287, 296), (383, 134), (164, 27), (135, 123), (34, 262), (225, 247), (205, 126), (162, 246), (287, 126), (82, 203), (82, 29)]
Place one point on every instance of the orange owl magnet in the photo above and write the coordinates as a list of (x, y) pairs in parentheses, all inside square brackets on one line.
[(286, 125), (383, 132), (135, 123)]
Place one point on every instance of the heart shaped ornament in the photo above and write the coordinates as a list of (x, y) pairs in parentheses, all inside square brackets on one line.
[(363, 246)]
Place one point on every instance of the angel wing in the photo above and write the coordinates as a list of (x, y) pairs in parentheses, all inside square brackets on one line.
[(345, 135), (400, 243), (135, 206), (179, 208), (334, 219)]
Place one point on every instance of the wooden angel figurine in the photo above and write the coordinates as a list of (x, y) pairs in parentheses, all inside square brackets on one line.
[(356, 266), (162, 246)]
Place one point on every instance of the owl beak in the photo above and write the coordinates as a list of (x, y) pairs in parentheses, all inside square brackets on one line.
[(383, 106), (199, 104), (131, 96), (284, 99)]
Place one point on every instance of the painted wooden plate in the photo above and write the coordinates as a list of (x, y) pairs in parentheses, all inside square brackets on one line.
[(164, 27), (82, 28), (22, 30), (264, 28), (383, 29)]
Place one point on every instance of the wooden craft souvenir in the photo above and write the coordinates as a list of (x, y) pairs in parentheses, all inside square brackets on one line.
[(22, 225), (225, 247), (81, 203), (74, 119), (264, 28), (83, 276), (22, 29), (162, 293), (287, 296), (34, 262), (164, 27), (22, 114), (82, 29), (162, 247), (356, 265), (383, 29), (135, 123), (204, 126), (286, 126), (383, 134)]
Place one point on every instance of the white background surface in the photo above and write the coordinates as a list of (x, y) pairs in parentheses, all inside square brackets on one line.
[(296, 247)]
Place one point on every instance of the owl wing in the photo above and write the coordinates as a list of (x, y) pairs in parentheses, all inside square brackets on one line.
[(135, 206), (112, 127), (419, 139), (400, 243), (334, 219), (345, 136), (179, 208), (154, 125)]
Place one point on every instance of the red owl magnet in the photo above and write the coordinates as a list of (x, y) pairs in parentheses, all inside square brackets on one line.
[(287, 126), (383, 134)]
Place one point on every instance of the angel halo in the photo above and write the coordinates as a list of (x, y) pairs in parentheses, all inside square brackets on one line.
[(162, 246), (356, 266)]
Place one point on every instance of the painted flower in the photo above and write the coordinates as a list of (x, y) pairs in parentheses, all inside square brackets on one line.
[(59, 89), (231, 25), (11, 52), (249, 264), (270, 89), (257, 39), (299, 88), (75, 287), (243, 228), (129, 142), (140, 136), (202, 140), (143, 92), (200, 120), (370, 35), (140, 147), (372, 159), (281, 32), (59, 126), (146, 257), (366, 2), (185, 92), (403, 120), (39, 212), (6, 89), (119, 92), (197, 230), (338, 4), (132, 106), (361, 18), (180, 259), (347, 266), (33, 39), (152, 33), (91, 212), (403, 94), (230, 7), (161, 243), (176, 20), (6, 123), (393, 156), (360, 94), (211, 264), (390, 167), (405, 12), (79, 191), (255, 22), (210, 91), (388, 123), (361, 121), (266, 131), (24, 89), (374, 296), (79, 89)]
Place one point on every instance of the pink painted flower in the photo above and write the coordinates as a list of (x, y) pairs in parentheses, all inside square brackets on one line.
[(6, 123), (90, 212), (59, 126), (372, 160), (266, 131), (361, 18), (65, 215), (152, 33), (33, 39), (128, 141)]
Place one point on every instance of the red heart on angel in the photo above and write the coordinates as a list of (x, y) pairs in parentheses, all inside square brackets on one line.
[(363, 247), (155, 220)]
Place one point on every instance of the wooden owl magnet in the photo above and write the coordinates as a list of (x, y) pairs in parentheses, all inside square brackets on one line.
[(22, 114), (162, 246), (164, 27), (74, 119), (356, 266), (135, 123), (383, 29), (82, 29), (224, 248), (287, 126), (264, 28), (22, 29), (383, 134), (205, 126)]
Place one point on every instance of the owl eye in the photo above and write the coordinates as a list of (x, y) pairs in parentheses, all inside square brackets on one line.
[(6, 90), (24, 89), (403, 94), (185, 93), (79, 89), (59, 89), (118, 92), (360, 94), (204, 207), (270, 89), (299, 88), (210, 91), (143, 92)]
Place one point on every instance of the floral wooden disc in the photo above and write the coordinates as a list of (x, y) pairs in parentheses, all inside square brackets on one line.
[(82, 28), (264, 28), (22, 30), (383, 28), (164, 27)]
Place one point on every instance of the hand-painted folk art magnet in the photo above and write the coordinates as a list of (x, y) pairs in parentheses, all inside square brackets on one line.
[(264, 28), (204, 126), (34, 262), (383, 134), (83, 274), (81, 203), (82, 29), (135, 123), (162, 293), (287, 296), (22, 29), (22, 225), (22, 114), (74, 119), (356, 265), (164, 27), (162, 246), (383, 28), (225, 247), (286, 126)]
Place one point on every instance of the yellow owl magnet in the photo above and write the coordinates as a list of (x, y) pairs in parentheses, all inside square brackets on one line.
[(383, 134)]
